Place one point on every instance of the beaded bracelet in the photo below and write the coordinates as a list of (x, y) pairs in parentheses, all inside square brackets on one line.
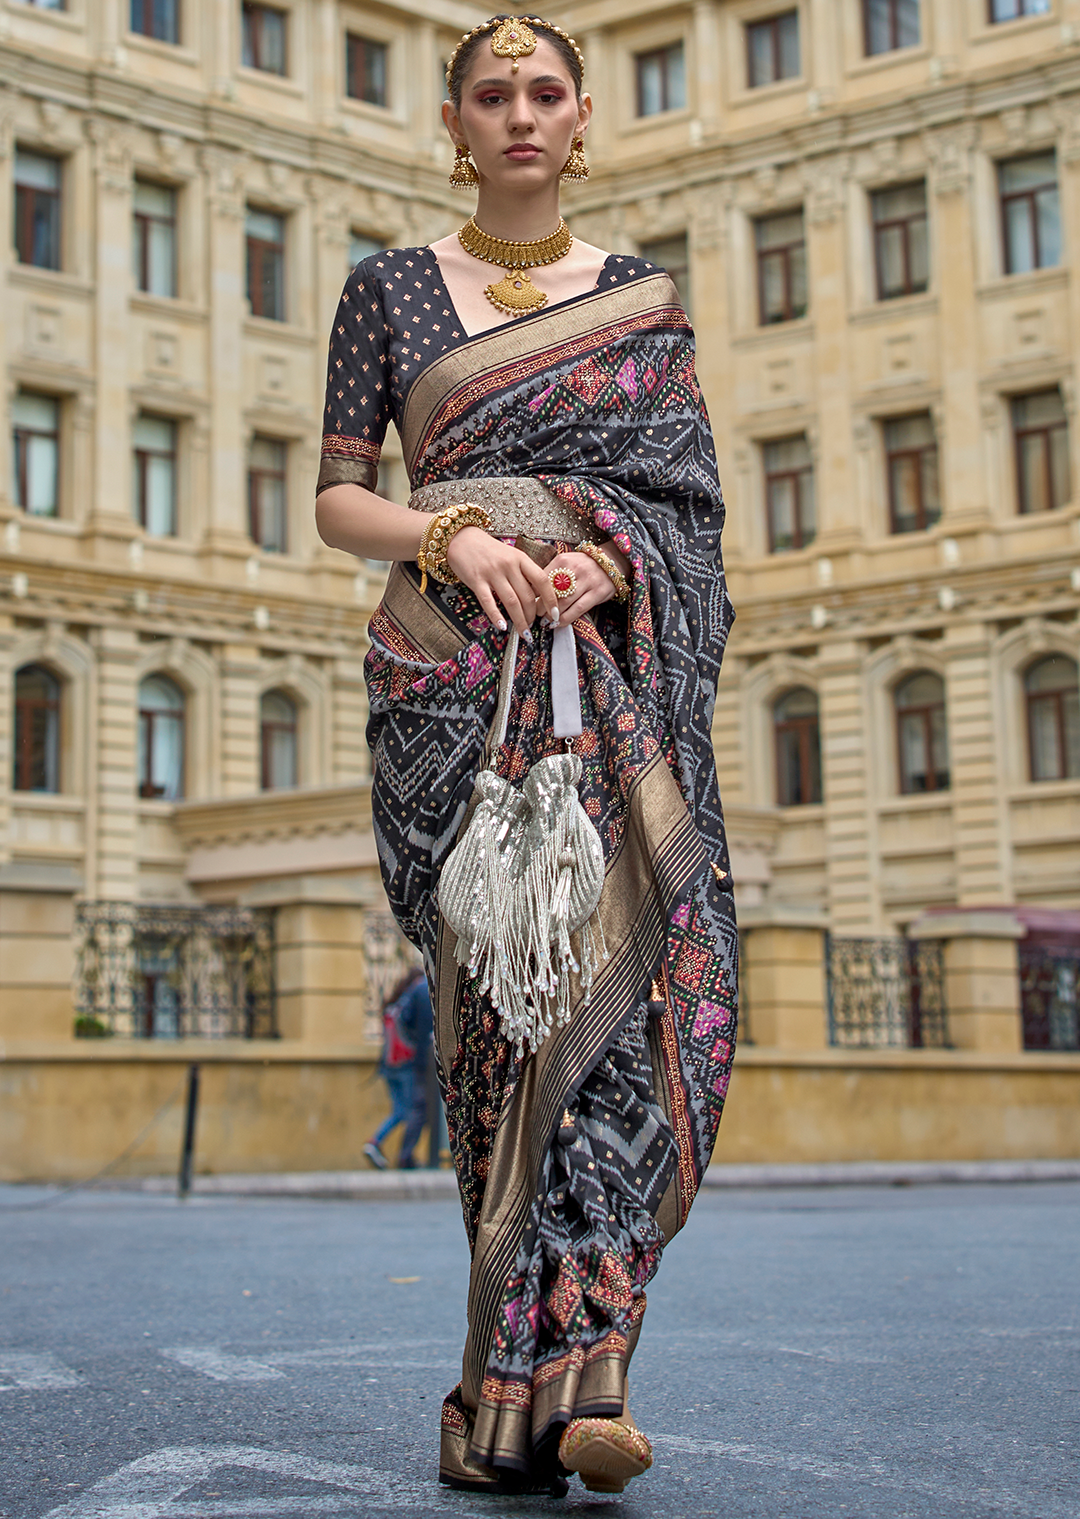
[(435, 541), (609, 567)]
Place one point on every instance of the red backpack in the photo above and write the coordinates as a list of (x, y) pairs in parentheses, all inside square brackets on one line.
[(398, 1050)]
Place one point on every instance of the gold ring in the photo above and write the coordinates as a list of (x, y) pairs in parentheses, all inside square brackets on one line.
[(564, 583)]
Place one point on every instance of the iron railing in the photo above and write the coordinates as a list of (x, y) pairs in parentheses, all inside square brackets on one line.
[(174, 972), (886, 993), (1050, 997)]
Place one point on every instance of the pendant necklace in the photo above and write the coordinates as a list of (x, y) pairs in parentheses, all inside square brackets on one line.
[(515, 293)]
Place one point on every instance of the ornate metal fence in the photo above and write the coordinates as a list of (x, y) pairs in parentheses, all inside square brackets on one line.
[(171, 972), (886, 992), (1050, 997)]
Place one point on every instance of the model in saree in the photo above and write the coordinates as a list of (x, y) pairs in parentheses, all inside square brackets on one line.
[(547, 391)]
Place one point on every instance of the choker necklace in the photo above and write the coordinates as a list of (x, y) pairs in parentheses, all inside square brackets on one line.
[(515, 293)]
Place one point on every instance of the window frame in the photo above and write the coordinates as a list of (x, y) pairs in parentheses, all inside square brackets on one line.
[(1025, 14), (880, 228), (892, 455), (141, 457), (359, 42), (147, 791), (22, 732), (772, 24), (257, 474), (19, 434), (25, 204), (796, 476), (147, 8), (1054, 699), (895, 46), (783, 250), (803, 727), (252, 15), (923, 713), (664, 54), (256, 250), (267, 728), (142, 222), (1045, 430), (1006, 198)]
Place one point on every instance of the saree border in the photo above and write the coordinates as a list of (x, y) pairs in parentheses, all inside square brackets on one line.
[(453, 382)]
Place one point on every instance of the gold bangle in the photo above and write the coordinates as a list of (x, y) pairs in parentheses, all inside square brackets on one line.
[(435, 541), (609, 567)]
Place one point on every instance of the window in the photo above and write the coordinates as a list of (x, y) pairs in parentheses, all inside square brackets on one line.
[(1012, 10), (47, 5), (789, 494), (266, 264), (154, 492), (672, 255), (1041, 432), (772, 49), (911, 462), (1030, 214), (798, 749), (277, 726), (890, 24), (161, 738), (1052, 687), (35, 453), (267, 494), (159, 19), (361, 246), (37, 209), (365, 69), (37, 730), (263, 44), (661, 80), (154, 233), (922, 741), (901, 251), (781, 267)]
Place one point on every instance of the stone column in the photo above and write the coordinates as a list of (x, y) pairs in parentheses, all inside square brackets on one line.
[(224, 514), (851, 851), (982, 978), (952, 259), (980, 808), (117, 653), (783, 978), (108, 515), (240, 740), (706, 68), (1068, 116), (838, 506), (37, 952)]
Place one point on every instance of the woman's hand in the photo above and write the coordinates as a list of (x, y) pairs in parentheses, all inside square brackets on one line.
[(502, 578), (593, 586)]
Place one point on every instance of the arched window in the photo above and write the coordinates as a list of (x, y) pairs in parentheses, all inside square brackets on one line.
[(277, 723), (798, 748), (161, 738), (37, 730), (1053, 715), (921, 737)]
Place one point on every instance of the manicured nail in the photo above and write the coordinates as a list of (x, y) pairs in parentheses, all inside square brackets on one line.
[(554, 618), (526, 636), (500, 625)]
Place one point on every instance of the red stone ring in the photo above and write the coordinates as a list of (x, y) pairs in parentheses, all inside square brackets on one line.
[(564, 583)]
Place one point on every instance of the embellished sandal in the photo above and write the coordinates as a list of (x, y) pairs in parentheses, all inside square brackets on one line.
[(605, 1453)]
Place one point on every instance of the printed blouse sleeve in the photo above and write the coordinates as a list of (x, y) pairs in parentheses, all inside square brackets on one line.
[(357, 386)]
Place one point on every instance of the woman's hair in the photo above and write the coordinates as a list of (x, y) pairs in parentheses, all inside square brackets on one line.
[(401, 986), (463, 59)]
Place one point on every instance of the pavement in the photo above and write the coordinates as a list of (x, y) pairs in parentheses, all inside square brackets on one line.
[(819, 1352)]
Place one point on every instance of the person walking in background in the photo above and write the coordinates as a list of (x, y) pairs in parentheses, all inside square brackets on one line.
[(420, 1025), (406, 1031)]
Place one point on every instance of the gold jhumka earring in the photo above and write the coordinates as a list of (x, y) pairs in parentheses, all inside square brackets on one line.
[(575, 166), (463, 175)]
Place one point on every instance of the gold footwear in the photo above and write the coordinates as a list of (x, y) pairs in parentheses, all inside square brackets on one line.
[(605, 1453)]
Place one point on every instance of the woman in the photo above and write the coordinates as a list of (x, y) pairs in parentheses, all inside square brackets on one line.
[(557, 407)]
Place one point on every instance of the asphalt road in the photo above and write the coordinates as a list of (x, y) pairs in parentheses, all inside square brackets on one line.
[(856, 1353)]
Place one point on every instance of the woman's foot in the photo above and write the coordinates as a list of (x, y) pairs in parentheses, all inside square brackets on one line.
[(605, 1453), (376, 1156)]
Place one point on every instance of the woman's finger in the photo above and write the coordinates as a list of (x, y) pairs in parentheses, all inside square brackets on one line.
[(540, 585)]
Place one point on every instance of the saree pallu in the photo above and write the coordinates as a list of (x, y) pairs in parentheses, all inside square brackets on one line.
[(577, 1162)]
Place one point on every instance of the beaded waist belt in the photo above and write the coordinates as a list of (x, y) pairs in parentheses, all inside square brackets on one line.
[(514, 504)]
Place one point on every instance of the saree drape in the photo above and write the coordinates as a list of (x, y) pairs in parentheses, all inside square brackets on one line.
[(575, 1163)]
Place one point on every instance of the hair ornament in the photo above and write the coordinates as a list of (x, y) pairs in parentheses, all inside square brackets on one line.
[(505, 44)]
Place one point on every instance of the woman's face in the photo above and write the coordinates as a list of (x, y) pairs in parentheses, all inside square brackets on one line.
[(519, 127)]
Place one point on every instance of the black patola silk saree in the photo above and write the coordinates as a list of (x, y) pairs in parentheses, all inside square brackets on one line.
[(578, 1162)]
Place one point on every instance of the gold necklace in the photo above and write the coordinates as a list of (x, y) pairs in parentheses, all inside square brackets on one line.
[(515, 293)]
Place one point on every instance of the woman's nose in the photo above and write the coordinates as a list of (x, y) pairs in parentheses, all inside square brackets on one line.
[(521, 118)]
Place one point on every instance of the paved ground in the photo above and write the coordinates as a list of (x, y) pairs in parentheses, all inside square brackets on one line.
[(854, 1353)]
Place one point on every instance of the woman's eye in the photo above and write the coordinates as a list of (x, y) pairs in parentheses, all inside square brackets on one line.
[(547, 98), (490, 99)]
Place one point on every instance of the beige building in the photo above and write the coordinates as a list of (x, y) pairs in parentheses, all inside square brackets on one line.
[(873, 210)]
